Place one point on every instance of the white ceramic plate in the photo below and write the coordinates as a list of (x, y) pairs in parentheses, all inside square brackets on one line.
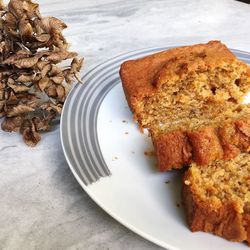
[(100, 138)]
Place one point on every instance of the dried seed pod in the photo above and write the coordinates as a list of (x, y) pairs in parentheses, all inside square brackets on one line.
[(30, 134), (51, 91), (33, 87), (41, 124), (43, 83), (58, 56), (45, 70), (19, 110), (60, 91), (12, 124), (25, 78), (25, 28), (10, 20), (57, 79)]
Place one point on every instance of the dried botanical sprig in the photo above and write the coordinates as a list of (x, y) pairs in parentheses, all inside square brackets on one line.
[(33, 87)]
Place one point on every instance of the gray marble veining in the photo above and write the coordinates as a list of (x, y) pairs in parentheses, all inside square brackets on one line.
[(42, 206)]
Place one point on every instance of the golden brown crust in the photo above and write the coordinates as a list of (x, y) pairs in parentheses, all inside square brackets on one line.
[(235, 138), (224, 221), (206, 146), (143, 77), (173, 149), (203, 146), (247, 226), (198, 58)]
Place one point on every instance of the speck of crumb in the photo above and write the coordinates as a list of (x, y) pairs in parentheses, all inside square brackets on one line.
[(126, 133), (114, 158), (110, 120), (149, 153), (177, 204), (133, 152), (167, 182)]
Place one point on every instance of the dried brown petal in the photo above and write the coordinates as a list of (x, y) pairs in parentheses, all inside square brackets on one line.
[(43, 38), (42, 64), (57, 79), (25, 78), (25, 28), (26, 97), (43, 83), (18, 87), (59, 56), (68, 76), (18, 55), (76, 65), (25, 62), (30, 135), (51, 107), (60, 92), (16, 8), (51, 91), (10, 20), (45, 70), (52, 24), (19, 109), (11, 124), (43, 124), (55, 70), (31, 9), (22, 59)]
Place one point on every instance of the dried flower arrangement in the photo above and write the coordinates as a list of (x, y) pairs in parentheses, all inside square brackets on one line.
[(33, 86)]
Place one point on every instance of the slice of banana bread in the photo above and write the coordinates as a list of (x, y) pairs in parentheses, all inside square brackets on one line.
[(217, 198), (186, 82), (185, 96), (222, 138)]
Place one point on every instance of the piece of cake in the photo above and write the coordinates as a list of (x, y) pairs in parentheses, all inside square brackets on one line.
[(217, 198), (183, 95), (224, 138)]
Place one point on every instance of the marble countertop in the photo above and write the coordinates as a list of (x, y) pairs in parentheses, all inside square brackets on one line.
[(42, 206)]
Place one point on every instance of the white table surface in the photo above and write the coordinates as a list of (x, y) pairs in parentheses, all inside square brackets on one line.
[(41, 205)]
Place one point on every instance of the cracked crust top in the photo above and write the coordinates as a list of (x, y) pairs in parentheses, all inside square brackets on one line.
[(142, 77)]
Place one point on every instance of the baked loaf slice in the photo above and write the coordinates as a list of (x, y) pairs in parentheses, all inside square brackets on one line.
[(224, 138), (185, 94), (191, 81), (217, 198)]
